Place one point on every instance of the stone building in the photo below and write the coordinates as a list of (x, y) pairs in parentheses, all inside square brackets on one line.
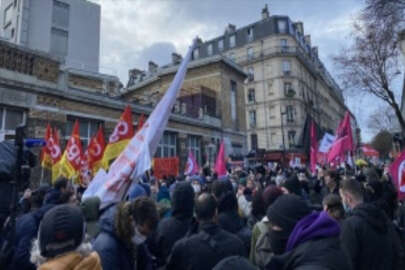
[(212, 92), (286, 80), (34, 90)]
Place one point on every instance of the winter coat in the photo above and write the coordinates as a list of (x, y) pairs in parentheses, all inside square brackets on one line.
[(26, 230), (313, 244), (173, 228), (73, 261), (113, 252), (370, 240), (231, 222), (205, 249), (259, 250)]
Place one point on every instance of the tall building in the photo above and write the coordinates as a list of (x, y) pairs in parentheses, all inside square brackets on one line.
[(286, 81), (67, 29)]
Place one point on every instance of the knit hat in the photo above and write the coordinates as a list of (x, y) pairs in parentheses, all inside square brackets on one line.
[(293, 185), (270, 194), (61, 230), (287, 210)]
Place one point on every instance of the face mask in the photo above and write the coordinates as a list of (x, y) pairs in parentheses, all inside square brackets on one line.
[(278, 241), (197, 189), (138, 238)]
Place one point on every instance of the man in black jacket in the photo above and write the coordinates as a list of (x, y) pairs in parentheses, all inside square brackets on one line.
[(368, 237), (212, 244)]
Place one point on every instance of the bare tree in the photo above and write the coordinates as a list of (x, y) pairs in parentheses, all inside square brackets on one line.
[(385, 8), (382, 142), (383, 119), (371, 64)]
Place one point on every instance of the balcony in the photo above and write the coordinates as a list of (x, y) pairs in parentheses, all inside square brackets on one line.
[(213, 121)]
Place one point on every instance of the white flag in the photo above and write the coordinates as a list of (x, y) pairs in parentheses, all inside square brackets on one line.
[(326, 143), (136, 157)]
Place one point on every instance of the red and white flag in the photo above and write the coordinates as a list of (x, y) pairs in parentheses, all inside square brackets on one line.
[(343, 142), (191, 165), (397, 170)]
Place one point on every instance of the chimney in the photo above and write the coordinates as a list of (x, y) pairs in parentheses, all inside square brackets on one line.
[(134, 72), (152, 67), (308, 39), (315, 51), (299, 26), (176, 58), (265, 13), (230, 28)]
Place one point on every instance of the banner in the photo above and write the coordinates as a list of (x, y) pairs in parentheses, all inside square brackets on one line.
[(119, 138), (136, 158), (165, 167), (397, 170), (191, 165), (326, 143)]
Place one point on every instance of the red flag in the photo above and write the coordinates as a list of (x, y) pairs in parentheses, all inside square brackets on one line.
[(397, 170), (85, 171), (369, 151), (220, 167), (73, 153), (344, 140), (191, 166), (46, 159), (140, 122), (314, 147), (96, 151)]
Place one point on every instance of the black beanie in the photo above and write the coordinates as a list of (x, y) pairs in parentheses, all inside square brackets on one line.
[(293, 185), (61, 230), (287, 210)]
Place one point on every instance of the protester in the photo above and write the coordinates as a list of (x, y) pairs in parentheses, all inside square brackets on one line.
[(123, 231), (90, 209), (368, 232), (173, 228), (60, 244), (331, 183), (212, 244), (55, 194), (332, 204), (301, 239)]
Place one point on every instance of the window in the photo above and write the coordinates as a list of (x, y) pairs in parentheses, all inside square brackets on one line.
[(7, 31), (253, 141), (251, 95), (284, 45), (87, 128), (196, 53), (221, 45), (250, 53), (167, 145), (250, 34), (252, 118), (209, 49), (290, 111), (282, 26), (12, 32), (59, 42), (15, 3), (287, 88), (286, 67), (251, 73), (194, 145), (10, 118), (233, 100), (60, 14), (291, 138), (232, 41), (8, 14), (272, 110)]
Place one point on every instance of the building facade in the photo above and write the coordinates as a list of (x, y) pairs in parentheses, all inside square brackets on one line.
[(286, 81), (34, 90), (212, 91), (67, 29)]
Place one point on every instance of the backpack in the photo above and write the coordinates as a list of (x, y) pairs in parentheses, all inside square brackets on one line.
[(262, 250)]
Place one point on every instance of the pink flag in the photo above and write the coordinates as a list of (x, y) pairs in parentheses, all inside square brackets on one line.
[(314, 147), (220, 167), (343, 141), (397, 170), (369, 151), (191, 166)]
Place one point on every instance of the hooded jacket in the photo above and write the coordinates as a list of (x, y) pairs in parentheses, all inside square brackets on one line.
[(73, 261), (173, 228), (368, 233), (26, 230), (313, 244)]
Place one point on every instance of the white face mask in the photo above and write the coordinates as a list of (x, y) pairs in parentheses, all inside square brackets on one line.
[(138, 237)]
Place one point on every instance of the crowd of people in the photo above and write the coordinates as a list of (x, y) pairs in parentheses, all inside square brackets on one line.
[(261, 218)]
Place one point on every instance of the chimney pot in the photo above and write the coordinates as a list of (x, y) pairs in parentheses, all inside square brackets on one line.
[(152, 67), (265, 13)]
